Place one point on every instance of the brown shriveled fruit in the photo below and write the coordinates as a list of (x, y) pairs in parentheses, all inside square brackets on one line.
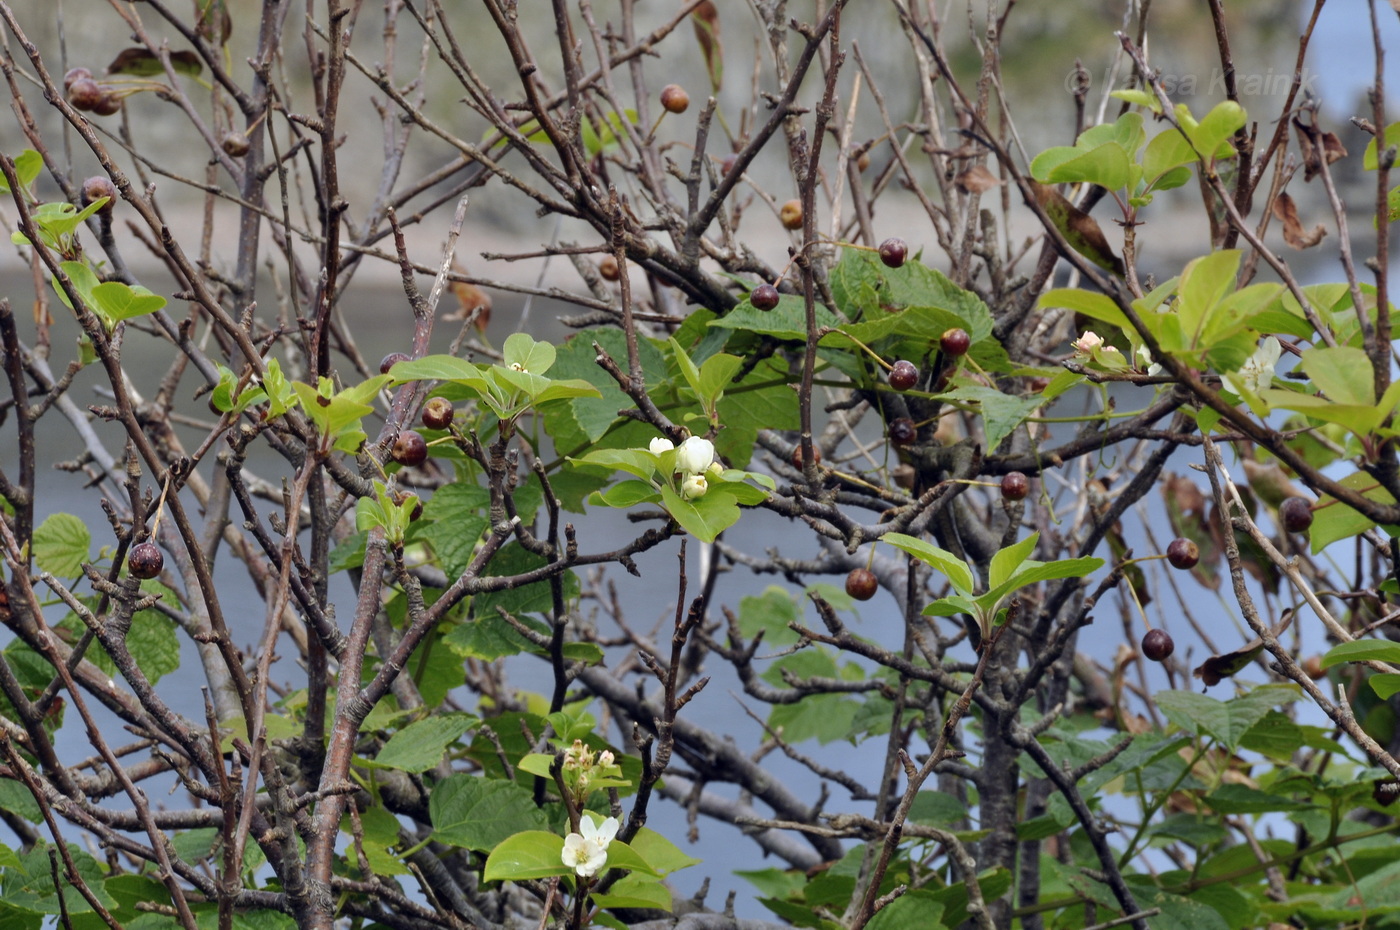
[(1157, 645), (85, 93), (392, 359), (727, 164), (108, 104), (675, 99), (234, 144), (73, 75), (1312, 667), (97, 187), (791, 214), (608, 268), (410, 448), (438, 413), (903, 432), (797, 459), (1183, 553), (862, 584)]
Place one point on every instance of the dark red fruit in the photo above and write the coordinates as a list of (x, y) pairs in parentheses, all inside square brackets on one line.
[(437, 413), (145, 560), (75, 74), (764, 297), (97, 187), (797, 455), (85, 93), (903, 375), (107, 105), (955, 342), (1183, 553), (674, 98), (893, 252), (410, 448), (234, 144), (1157, 645), (392, 359), (862, 584), (903, 432), (609, 269), (1295, 514), (1015, 486)]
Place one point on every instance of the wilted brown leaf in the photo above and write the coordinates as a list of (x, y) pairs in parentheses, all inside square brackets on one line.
[(1314, 146), (706, 22), (1217, 668), (977, 180), (1286, 212), (1080, 229), (141, 62)]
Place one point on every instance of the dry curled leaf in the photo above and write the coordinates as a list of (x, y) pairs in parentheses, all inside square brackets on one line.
[(1217, 668), (706, 22), (1315, 146), (1286, 212), (977, 180)]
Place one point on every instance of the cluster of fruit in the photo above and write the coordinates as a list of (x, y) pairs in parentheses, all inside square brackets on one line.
[(86, 94)]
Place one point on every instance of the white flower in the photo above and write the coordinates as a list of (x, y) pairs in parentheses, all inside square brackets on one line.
[(695, 456), (694, 486), (661, 444), (1144, 355), (1087, 343), (587, 852), (1257, 372)]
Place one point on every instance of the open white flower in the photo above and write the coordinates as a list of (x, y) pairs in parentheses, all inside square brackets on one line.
[(1257, 372), (695, 456), (587, 851), (694, 486), (661, 444)]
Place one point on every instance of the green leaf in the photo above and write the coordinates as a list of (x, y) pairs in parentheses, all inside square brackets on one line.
[(823, 717), (1211, 135), (705, 517), (1087, 303), (1362, 650), (1370, 159), (1343, 373), (116, 301), (770, 613), (454, 518), (1227, 721), (635, 891), (153, 644), (488, 638), (787, 321), (1385, 685), (479, 813), (1178, 913), (61, 545), (1333, 520), (420, 745), (28, 164), (531, 854), (1241, 799), (1001, 413), (661, 855), (1106, 165), (513, 559), (952, 567), (1007, 560), (627, 493), (533, 357)]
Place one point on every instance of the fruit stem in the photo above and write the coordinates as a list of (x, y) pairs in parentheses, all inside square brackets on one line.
[(871, 352)]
